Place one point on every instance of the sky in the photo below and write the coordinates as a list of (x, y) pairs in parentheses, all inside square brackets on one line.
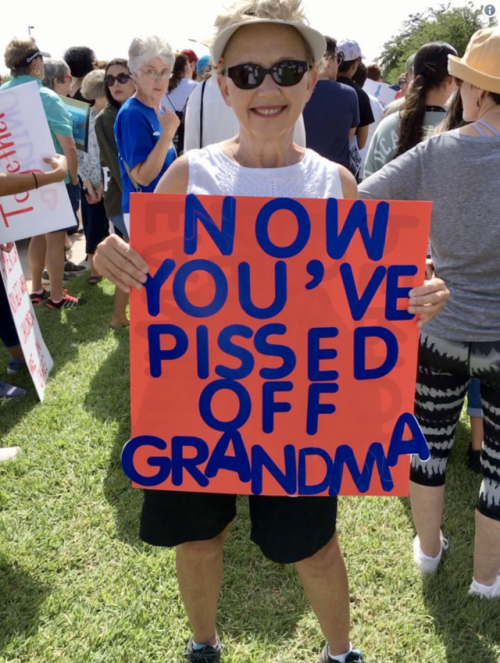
[(109, 27)]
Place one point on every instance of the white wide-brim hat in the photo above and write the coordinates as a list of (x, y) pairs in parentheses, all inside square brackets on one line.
[(314, 38)]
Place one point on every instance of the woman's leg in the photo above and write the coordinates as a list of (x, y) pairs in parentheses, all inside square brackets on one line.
[(119, 318), (441, 387), (487, 541)]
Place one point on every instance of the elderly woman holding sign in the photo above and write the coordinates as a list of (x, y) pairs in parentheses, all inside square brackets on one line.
[(464, 342), (266, 58)]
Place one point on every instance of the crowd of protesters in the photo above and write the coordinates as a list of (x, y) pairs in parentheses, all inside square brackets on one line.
[(280, 98)]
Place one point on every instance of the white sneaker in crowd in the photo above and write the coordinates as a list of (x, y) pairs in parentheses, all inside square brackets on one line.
[(428, 565), (9, 453), (486, 591)]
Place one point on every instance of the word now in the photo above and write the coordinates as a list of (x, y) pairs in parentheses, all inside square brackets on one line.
[(192, 456)]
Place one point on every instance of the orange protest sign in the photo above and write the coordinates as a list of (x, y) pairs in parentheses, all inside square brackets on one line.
[(271, 349)]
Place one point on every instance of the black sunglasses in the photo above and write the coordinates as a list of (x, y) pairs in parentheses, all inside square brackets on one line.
[(121, 78), (250, 76)]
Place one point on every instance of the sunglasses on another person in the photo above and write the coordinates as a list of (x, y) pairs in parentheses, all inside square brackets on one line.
[(122, 78), (285, 74), (402, 81)]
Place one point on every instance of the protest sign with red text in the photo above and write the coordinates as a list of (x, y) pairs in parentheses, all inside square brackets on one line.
[(25, 141), (35, 351)]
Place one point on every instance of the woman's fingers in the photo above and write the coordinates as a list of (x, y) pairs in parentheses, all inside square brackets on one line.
[(428, 300), (121, 264)]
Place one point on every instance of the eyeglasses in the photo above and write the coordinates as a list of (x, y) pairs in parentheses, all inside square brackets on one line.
[(340, 56), (250, 76), (155, 75), (122, 78)]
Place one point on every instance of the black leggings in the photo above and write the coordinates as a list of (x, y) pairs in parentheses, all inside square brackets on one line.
[(445, 369), (8, 332)]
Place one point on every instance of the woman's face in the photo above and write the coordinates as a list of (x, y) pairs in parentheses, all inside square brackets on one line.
[(269, 109), (120, 91), (469, 95), (63, 86), (152, 79)]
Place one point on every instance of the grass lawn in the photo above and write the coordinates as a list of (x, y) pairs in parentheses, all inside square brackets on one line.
[(78, 586)]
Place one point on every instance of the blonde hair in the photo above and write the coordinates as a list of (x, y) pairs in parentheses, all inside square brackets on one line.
[(17, 50), (247, 10), (93, 86)]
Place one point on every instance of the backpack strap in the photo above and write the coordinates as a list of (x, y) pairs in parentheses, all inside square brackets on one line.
[(201, 111), (134, 183)]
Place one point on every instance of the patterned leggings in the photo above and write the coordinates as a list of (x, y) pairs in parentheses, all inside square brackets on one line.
[(445, 369)]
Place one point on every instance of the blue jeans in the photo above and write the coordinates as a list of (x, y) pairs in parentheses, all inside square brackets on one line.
[(474, 404)]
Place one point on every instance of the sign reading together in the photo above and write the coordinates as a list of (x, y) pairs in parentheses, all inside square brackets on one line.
[(271, 347)]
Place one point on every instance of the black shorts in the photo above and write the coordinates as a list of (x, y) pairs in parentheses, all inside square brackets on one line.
[(286, 529)]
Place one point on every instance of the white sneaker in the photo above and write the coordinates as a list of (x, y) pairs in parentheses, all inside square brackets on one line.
[(428, 565), (8, 453), (485, 591)]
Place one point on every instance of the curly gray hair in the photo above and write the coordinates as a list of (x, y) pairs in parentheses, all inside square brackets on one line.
[(143, 49)]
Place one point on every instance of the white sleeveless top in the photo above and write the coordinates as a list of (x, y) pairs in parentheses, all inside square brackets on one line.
[(211, 172)]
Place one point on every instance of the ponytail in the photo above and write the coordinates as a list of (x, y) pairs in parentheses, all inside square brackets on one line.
[(431, 71), (413, 115)]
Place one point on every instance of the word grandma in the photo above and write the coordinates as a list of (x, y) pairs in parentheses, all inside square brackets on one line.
[(249, 464), (270, 335)]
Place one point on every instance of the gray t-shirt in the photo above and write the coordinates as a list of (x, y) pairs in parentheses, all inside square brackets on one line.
[(460, 174)]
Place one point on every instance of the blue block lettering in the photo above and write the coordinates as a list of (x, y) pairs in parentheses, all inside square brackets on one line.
[(392, 353), (202, 352), (245, 295), (163, 463), (269, 350), (156, 354), (362, 479), (394, 292), (223, 238), (220, 460), (221, 288), (154, 284), (315, 408), (190, 464), (417, 444), (262, 227), (318, 488), (245, 356), (205, 405), (287, 479), (359, 305), (315, 354), (270, 406), (337, 242)]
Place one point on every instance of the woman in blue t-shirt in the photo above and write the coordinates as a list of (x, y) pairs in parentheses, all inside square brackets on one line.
[(144, 130)]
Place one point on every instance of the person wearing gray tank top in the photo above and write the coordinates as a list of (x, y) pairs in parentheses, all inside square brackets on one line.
[(459, 172), (266, 73)]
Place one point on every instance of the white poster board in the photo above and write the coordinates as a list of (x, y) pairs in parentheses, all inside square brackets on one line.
[(380, 91), (35, 351), (24, 142)]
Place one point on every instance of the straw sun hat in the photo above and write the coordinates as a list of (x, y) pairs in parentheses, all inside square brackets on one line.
[(480, 65)]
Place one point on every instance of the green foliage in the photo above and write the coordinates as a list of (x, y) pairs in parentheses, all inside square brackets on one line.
[(5, 77), (455, 25)]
